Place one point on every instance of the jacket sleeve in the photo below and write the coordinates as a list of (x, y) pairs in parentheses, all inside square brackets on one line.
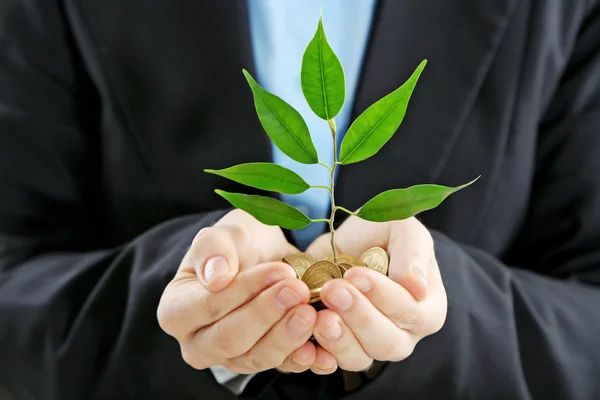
[(528, 327), (77, 320)]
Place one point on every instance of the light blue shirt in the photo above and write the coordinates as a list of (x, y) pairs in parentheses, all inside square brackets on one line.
[(280, 31)]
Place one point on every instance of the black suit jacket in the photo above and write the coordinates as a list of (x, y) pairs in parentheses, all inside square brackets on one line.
[(110, 110)]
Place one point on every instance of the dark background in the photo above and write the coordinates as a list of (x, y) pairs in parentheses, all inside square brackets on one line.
[(4, 5)]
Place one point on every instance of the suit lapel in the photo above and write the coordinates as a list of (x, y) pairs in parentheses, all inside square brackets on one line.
[(459, 38)]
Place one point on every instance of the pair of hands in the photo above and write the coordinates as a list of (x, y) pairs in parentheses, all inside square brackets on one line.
[(230, 304)]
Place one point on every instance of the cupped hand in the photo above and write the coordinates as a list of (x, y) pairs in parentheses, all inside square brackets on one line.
[(371, 316), (231, 305)]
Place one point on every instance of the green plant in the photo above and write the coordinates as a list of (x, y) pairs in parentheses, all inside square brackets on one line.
[(323, 85)]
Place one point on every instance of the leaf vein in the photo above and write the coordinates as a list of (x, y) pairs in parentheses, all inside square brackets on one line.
[(268, 176), (319, 42), (375, 127), (272, 210), (399, 206), (287, 127)]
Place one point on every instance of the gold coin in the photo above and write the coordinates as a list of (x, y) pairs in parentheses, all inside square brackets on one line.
[(344, 267), (347, 259), (315, 293), (300, 262), (319, 273), (377, 259), (353, 261)]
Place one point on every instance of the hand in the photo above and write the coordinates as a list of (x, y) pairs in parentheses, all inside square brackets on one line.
[(230, 304), (374, 317)]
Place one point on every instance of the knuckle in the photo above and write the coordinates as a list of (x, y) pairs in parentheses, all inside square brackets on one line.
[(367, 366), (212, 237), (435, 325), (203, 235), (191, 358), (257, 363), (398, 351), (212, 307), (166, 318), (265, 312), (225, 342), (406, 319), (167, 325), (363, 319), (234, 232), (234, 366), (240, 232)]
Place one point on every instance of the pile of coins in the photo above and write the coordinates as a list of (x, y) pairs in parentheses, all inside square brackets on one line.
[(315, 273)]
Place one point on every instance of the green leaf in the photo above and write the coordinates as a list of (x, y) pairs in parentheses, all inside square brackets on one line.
[(267, 210), (322, 77), (399, 204), (265, 176), (284, 125), (378, 123)]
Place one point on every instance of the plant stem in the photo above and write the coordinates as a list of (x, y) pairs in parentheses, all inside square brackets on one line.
[(331, 188), (319, 187), (326, 166), (345, 210)]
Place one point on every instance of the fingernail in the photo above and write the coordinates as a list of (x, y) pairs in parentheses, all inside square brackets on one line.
[(333, 332), (215, 268), (296, 359), (327, 369), (297, 326), (287, 298), (418, 273), (362, 284), (340, 299)]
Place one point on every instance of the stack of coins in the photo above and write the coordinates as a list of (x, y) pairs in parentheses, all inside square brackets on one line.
[(315, 273)]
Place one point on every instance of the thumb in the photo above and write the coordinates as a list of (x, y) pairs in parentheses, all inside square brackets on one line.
[(411, 251), (214, 256), (237, 241)]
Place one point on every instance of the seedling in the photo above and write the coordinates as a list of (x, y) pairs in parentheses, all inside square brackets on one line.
[(323, 86)]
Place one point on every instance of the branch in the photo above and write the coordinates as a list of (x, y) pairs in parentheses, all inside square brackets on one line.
[(325, 165), (345, 210)]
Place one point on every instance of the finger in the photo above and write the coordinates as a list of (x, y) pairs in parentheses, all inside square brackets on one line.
[(235, 243), (411, 250), (393, 301), (333, 335), (289, 334), (262, 243), (379, 337), (186, 307), (300, 360), (325, 363), (213, 255), (226, 339)]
